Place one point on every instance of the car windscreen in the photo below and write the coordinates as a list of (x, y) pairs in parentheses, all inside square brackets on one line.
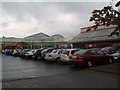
[(47, 50), (25, 50), (54, 51), (80, 52), (65, 52)]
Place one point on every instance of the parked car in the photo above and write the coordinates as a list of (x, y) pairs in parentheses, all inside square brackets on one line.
[(11, 51), (15, 52), (45, 51), (108, 50), (116, 55), (3, 51), (30, 53), (7, 51), (37, 54), (54, 55), (66, 53), (90, 57), (23, 52)]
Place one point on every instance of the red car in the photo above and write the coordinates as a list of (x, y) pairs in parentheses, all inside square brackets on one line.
[(90, 57)]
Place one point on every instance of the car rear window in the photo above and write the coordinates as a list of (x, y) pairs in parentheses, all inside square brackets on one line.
[(49, 50), (74, 51), (80, 52), (65, 52)]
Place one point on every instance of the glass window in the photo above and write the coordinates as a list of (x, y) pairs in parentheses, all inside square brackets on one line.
[(50, 50), (74, 51), (91, 52), (100, 53), (60, 51), (54, 51), (81, 52), (65, 52)]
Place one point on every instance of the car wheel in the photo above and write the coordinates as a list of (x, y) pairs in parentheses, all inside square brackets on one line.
[(89, 63), (39, 58), (110, 61), (58, 59)]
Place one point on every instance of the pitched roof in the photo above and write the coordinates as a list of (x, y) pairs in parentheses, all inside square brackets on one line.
[(38, 35), (57, 35), (98, 35)]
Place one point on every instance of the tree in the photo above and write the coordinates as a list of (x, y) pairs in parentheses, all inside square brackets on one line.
[(106, 16)]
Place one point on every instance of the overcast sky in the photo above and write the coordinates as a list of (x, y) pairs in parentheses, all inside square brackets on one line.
[(20, 19)]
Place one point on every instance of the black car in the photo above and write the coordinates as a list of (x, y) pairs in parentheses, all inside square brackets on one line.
[(37, 54)]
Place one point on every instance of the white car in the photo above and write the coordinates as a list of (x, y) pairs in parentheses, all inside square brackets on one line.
[(30, 53), (54, 55), (66, 53)]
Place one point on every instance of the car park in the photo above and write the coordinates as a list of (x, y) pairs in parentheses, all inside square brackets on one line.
[(54, 55), (66, 53), (88, 57)]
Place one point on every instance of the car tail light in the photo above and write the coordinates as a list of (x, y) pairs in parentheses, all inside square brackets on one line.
[(70, 57), (107, 54), (50, 55), (68, 53), (78, 57)]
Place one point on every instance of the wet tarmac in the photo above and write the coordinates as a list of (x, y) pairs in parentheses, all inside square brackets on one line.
[(18, 68)]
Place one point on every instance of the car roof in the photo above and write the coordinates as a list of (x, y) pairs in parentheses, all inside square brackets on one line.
[(71, 49)]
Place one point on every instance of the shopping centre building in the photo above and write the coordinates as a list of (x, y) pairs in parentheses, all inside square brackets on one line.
[(39, 40), (85, 39), (96, 38)]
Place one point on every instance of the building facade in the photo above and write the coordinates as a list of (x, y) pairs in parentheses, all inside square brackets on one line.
[(96, 38), (39, 40)]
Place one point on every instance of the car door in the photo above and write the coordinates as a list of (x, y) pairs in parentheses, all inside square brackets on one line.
[(59, 52), (93, 56), (102, 56)]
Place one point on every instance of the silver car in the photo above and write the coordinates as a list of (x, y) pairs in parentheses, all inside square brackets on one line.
[(54, 55), (66, 53)]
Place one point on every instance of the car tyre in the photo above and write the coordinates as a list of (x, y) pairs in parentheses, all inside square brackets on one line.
[(89, 64), (110, 61), (58, 59), (39, 58)]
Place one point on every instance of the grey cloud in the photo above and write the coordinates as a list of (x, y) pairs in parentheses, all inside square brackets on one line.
[(46, 14)]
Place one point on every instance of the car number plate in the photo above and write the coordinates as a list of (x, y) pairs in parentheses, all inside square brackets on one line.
[(115, 57)]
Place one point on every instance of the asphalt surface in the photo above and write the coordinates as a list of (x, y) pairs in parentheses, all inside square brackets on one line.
[(79, 79), (26, 73), (0, 71), (18, 68)]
